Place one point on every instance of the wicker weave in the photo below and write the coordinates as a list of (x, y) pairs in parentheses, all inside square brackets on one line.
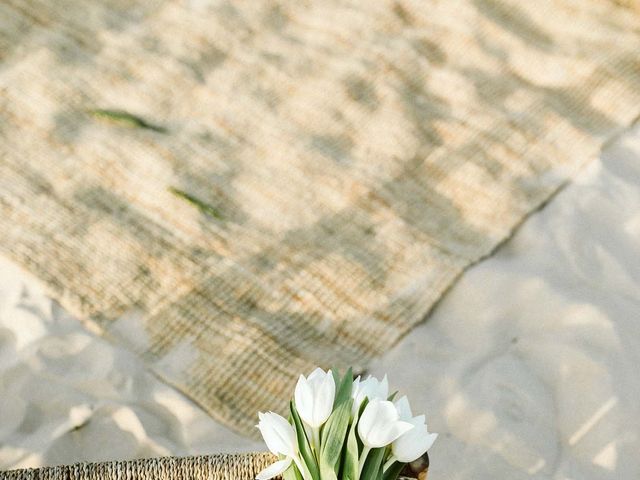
[(213, 467), (302, 180)]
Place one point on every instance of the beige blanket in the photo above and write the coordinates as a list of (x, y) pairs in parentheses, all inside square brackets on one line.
[(241, 190)]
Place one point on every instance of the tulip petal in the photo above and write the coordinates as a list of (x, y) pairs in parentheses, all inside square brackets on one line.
[(418, 421), (384, 388), (404, 409), (428, 443), (367, 420), (274, 469), (278, 434), (379, 424), (371, 388), (303, 393), (323, 400), (318, 373), (413, 444), (314, 397), (355, 394), (395, 431)]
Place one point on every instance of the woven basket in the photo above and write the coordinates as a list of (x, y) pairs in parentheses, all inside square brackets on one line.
[(243, 466), (209, 467)]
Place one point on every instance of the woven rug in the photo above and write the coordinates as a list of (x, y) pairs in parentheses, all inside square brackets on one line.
[(239, 191)]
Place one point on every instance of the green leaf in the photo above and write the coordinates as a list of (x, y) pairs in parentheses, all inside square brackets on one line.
[(327, 472), (291, 473), (336, 376), (392, 396), (343, 388), (380, 471), (393, 471), (335, 429), (303, 444), (333, 435), (352, 453), (196, 202), (125, 119), (373, 464)]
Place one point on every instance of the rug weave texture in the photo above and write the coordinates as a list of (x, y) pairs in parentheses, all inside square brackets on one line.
[(288, 184)]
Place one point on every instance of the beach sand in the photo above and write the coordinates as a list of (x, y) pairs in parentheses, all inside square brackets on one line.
[(528, 368), (68, 395)]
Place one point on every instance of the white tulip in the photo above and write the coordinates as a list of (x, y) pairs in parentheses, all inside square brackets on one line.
[(378, 426), (403, 408), (274, 469), (278, 434), (414, 443), (280, 438), (371, 388), (314, 397)]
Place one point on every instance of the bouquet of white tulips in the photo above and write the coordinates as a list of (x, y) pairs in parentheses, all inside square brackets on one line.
[(346, 429)]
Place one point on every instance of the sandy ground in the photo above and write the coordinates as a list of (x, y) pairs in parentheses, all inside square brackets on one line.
[(528, 368), (67, 395)]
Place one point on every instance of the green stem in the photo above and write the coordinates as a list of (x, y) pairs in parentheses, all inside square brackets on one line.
[(302, 467), (389, 462), (316, 441), (363, 458)]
